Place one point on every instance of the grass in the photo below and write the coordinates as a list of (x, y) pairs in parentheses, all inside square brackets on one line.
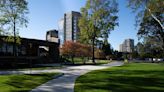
[(42, 68), (79, 61), (99, 62), (23, 83), (134, 77), (32, 68)]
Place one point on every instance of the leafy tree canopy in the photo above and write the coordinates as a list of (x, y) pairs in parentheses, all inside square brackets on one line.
[(147, 8), (13, 14), (149, 19), (98, 19)]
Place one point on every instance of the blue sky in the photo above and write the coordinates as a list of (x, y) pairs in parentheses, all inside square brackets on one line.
[(45, 14)]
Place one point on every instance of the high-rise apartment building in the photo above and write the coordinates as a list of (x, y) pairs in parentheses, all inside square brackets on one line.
[(71, 25), (121, 47), (68, 27), (127, 46), (61, 31)]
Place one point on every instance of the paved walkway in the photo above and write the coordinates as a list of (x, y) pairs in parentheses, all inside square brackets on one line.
[(66, 82)]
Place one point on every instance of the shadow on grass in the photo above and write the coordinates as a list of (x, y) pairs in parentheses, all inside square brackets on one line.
[(122, 80), (24, 83)]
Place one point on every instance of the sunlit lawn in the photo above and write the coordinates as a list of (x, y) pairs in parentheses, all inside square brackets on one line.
[(80, 61), (134, 77), (23, 83)]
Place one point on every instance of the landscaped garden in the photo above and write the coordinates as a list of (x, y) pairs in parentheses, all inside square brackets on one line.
[(24, 82), (133, 77)]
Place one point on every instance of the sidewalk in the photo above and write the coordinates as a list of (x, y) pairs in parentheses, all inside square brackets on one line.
[(66, 82)]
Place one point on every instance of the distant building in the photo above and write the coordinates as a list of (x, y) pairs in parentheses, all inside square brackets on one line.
[(121, 47), (71, 25), (127, 46), (61, 31), (52, 36), (68, 27)]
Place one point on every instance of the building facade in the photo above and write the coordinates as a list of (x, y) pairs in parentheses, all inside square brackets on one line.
[(121, 47), (29, 49), (127, 46), (52, 36), (61, 31), (68, 27), (71, 25)]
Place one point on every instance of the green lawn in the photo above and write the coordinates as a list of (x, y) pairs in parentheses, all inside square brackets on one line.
[(134, 77), (80, 61), (23, 83), (33, 68), (99, 62), (42, 68)]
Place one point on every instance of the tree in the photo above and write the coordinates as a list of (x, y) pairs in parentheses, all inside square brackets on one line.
[(75, 49), (139, 47), (107, 48), (150, 28), (99, 54), (147, 8), (2, 23), (83, 51), (69, 49), (149, 18), (12, 16), (98, 19), (150, 48)]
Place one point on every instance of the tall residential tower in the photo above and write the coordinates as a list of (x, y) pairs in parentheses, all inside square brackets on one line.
[(68, 27), (61, 31), (127, 46), (71, 25)]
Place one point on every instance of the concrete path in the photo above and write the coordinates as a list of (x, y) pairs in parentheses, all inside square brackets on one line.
[(66, 82)]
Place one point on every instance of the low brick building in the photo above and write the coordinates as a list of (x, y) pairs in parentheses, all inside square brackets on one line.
[(29, 49)]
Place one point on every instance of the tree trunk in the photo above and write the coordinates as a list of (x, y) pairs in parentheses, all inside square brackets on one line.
[(6, 48), (14, 45), (163, 44), (93, 51), (154, 17), (72, 57)]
